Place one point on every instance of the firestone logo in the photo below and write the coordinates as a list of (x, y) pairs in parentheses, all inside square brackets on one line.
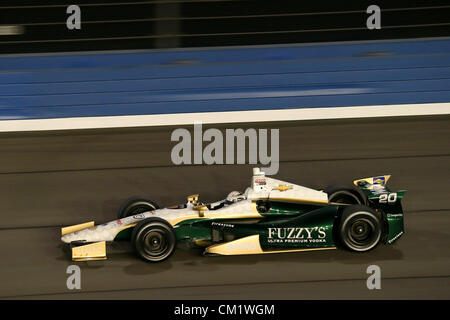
[(299, 234)]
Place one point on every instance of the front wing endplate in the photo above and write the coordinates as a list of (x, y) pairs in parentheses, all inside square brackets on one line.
[(93, 251)]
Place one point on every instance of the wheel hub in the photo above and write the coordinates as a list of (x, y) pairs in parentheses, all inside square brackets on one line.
[(360, 230), (154, 242)]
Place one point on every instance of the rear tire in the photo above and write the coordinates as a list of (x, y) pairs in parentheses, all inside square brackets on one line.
[(345, 194), (135, 206), (360, 228), (153, 240)]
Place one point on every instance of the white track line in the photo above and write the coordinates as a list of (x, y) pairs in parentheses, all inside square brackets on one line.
[(226, 117)]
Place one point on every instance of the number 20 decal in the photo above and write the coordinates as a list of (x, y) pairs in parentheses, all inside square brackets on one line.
[(388, 198)]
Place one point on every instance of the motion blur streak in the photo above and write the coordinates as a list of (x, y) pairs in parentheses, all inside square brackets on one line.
[(225, 80)]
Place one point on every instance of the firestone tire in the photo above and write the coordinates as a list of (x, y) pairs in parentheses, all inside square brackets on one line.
[(153, 240), (135, 206), (345, 194), (360, 228)]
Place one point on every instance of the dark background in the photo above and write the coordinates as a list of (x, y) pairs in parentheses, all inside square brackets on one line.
[(125, 24)]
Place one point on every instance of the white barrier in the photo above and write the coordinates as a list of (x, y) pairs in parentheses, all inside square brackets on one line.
[(226, 117)]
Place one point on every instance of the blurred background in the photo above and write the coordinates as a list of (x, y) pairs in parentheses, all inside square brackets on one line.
[(40, 25)]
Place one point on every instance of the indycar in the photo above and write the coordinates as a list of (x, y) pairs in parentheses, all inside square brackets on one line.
[(271, 216)]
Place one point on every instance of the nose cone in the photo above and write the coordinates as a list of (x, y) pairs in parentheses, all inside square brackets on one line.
[(103, 232), (74, 236), (65, 239)]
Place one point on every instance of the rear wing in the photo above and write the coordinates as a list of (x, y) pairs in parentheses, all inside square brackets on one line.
[(387, 201), (375, 188), (370, 182)]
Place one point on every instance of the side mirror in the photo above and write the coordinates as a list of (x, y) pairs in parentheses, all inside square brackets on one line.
[(201, 210)]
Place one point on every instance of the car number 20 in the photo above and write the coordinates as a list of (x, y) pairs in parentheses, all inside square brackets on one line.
[(388, 198)]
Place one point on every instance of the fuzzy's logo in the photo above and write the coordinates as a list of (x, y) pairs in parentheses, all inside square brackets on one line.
[(297, 234)]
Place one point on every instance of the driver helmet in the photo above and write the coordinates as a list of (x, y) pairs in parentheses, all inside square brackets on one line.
[(235, 196)]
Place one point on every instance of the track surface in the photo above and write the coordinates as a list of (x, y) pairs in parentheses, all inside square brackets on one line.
[(62, 178)]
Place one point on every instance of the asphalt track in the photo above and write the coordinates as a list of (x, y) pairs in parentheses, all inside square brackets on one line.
[(51, 179)]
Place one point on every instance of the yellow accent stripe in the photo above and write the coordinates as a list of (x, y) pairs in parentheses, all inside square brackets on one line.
[(215, 216), (297, 200), (247, 245), (251, 245), (339, 204), (211, 214), (125, 227), (300, 250), (184, 218), (76, 227)]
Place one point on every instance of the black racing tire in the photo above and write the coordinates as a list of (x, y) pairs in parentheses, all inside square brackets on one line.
[(135, 206), (153, 240), (345, 194), (360, 228)]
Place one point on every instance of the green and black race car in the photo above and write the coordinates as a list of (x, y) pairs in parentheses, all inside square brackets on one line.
[(271, 216)]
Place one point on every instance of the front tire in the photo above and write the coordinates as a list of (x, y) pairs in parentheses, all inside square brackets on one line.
[(135, 206), (360, 228), (154, 240)]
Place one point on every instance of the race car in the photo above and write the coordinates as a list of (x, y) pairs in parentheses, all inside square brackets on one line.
[(271, 216)]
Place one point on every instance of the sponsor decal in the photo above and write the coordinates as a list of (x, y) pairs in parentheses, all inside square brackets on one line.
[(260, 181), (138, 216), (397, 215), (396, 237), (282, 187), (378, 189), (379, 180), (297, 235), (119, 221), (220, 224)]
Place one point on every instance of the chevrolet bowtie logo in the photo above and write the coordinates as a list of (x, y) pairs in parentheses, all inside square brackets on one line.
[(282, 187)]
